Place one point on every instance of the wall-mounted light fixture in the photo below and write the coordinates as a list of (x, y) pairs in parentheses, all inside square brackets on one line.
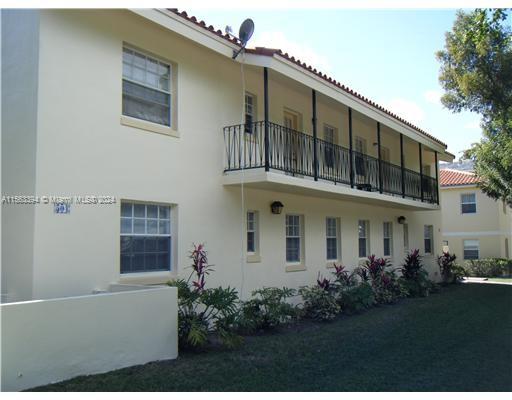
[(276, 207), (401, 219)]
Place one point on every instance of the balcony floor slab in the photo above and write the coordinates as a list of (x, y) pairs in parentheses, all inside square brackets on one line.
[(280, 182)]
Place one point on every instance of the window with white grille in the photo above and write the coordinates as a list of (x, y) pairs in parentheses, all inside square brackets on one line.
[(428, 239), (388, 238), (468, 203), (146, 87), (252, 232), (471, 249), (293, 238), (332, 232), (145, 237), (364, 242)]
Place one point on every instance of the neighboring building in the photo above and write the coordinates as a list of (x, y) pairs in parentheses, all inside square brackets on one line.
[(148, 106), (474, 225)]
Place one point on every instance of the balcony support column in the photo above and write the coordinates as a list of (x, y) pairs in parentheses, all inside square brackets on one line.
[(421, 171), (315, 138), (350, 147), (402, 166), (265, 102), (437, 177), (379, 153)]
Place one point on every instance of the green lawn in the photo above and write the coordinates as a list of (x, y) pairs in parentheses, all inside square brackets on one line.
[(456, 340)]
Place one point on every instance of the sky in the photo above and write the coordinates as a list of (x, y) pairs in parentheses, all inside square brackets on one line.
[(385, 55)]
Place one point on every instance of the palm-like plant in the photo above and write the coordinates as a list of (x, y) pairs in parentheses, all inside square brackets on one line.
[(203, 311)]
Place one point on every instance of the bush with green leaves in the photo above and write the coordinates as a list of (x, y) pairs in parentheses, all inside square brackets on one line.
[(489, 267), (319, 301), (343, 277), (356, 298), (204, 312), (386, 286), (268, 308), (451, 272), (414, 276)]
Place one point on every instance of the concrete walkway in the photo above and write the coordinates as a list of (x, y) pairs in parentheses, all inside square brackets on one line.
[(485, 280)]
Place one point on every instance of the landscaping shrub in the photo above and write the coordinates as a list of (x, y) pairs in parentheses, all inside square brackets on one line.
[(386, 286), (414, 276), (319, 303), (203, 312), (343, 277), (450, 271), (354, 299), (489, 267), (267, 309)]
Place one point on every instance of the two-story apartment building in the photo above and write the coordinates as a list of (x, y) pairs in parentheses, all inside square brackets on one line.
[(474, 225), (278, 168)]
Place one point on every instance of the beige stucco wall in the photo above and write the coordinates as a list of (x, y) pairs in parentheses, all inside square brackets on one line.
[(20, 39), (489, 225), (53, 340), (82, 148)]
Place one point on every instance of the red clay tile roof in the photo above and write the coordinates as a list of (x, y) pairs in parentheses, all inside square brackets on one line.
[(271, 52), (451, 177)]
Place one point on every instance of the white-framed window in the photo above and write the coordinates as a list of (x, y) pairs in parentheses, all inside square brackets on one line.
[(332, 234), (428, 239), (387, 228), (446, 247), (468, 203), (146, 87), (294, 238), (406, 238), (252, 232), (250, 112), (364, 240), (145, 237), (471, 249)]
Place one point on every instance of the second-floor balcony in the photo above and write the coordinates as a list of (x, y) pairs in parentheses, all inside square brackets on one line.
[(272, 147)]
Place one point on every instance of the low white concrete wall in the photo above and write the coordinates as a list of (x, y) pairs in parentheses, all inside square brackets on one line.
[(46, 341)]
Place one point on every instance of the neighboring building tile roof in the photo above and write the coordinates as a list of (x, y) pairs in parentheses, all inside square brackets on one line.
[(451, 177), (271, 52)]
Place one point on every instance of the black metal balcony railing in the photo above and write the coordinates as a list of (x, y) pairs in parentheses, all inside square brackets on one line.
[(293, 152)]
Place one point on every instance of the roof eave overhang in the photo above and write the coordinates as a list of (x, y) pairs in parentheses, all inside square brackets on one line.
[(463, 186), (446, 156), (188, 29)]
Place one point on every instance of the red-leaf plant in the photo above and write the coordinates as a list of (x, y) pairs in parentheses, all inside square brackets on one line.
[(200, 266), (343, 277), (323, 283), (375, 266)]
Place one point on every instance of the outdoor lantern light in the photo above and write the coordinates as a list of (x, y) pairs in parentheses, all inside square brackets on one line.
[(276, 207), (401, 219)]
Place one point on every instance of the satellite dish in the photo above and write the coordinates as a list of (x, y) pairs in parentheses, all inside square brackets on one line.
[(246, 31), (244, 34)]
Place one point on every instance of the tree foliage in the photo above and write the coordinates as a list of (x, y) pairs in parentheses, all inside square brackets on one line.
[(476, 74)]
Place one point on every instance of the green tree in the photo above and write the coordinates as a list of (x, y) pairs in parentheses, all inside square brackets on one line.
[(476, 74)]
